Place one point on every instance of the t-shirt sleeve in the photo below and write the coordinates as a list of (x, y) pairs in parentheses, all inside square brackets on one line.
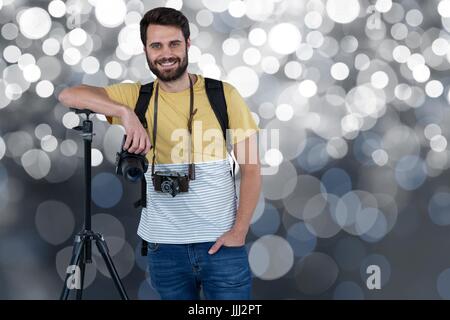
[(123, 93), (241, 122)]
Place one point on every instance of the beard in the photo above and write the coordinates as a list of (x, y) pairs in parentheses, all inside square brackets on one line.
[(170, 74)]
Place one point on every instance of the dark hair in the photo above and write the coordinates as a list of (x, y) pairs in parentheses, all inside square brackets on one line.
[(166, 17)]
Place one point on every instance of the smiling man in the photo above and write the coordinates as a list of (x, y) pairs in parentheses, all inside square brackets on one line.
[(196, 239)]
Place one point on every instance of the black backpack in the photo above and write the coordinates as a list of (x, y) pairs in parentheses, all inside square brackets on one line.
[(216, 97)]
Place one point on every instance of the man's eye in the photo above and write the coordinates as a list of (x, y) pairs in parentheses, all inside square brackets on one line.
[(155, 46), (175, 44)]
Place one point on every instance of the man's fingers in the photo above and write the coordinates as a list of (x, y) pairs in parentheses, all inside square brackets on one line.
[(127, 141), (135, 143), (147, 146), (141, 145), (216, 246), (137, 140)]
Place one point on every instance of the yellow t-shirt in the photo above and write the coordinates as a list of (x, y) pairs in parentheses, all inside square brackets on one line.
[(172, 138)]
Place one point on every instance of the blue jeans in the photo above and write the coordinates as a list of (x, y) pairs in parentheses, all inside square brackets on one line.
[(179, 271)]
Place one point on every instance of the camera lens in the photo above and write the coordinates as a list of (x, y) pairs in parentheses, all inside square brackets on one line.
[(166, 186), (132, 169)]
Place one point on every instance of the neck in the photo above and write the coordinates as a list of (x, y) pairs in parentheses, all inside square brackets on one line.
[(181, 84)]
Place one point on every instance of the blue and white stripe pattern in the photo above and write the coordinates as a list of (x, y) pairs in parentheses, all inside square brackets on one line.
[(203, 214)]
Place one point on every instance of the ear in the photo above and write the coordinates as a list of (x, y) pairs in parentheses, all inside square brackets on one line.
[(188, 43)]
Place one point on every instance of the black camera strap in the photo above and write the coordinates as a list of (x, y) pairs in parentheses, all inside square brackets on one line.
[(192, 112), (155, 122), (145, 94)]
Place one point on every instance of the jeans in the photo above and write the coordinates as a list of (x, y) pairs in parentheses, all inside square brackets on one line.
[(181, 271)]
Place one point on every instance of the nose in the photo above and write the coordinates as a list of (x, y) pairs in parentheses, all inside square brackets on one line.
[(167, 54)]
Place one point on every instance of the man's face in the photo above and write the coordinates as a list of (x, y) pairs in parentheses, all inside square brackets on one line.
[(166, 51)]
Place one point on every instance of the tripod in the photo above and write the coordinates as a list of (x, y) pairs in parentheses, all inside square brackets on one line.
[(82, 247)]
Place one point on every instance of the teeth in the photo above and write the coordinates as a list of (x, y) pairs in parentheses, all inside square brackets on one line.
[(167, 64)]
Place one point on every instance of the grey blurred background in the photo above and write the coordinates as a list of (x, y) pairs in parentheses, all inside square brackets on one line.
[(356, 175)]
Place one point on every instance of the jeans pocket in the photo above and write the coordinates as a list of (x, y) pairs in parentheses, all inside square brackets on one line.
[(234, 247), (153, 246)]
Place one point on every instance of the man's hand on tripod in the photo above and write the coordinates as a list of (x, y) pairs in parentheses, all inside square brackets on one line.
[(137, 140)]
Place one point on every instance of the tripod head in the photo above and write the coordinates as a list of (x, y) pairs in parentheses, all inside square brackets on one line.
[(87, 112), (86, 128)]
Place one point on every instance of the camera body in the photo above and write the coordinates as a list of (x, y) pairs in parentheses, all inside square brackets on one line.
[(171, 182), (131, 165)]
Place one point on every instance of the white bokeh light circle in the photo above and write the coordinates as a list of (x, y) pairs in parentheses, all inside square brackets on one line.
[(339, 71), (270, 65), (57, 8), (271, 257), (90, 65), (438, 143), (204, 18), (68, 147), (35, 23), (307, 88), (113, 70), (231, 46), (216, 6), (51, 46), (175, 4), (251, 56), (25, 60), (434, 88), (421, 73), (293, 69), (72, 56), (273, 157), (383, 5), (237, 8), (284, 112), (70, 120), (77, 37), (444, 8), (279, 34), (36, 163), (401, 54), (440, 47), (32, 73), (313, 20), (257, 36), (379, 79), (2, 148), (110, 13), (343, 11), (245, 80), (259, 10), (44, 88), (12, 53), (49, 143), (97, 157), (130, 40)]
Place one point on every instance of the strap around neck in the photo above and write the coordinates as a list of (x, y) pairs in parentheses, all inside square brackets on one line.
[(192, 112)]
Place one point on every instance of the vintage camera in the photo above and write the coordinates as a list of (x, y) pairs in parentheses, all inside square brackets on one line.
[(171, 182), (131, 165)]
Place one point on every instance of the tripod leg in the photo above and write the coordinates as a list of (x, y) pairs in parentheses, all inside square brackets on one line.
[(74, 262), (82, 271), (103, 249)]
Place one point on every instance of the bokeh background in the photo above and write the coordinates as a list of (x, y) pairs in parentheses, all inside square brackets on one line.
[(359, 93)]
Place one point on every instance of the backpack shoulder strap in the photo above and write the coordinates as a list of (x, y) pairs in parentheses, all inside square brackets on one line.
[(216, 97), (145, 93)]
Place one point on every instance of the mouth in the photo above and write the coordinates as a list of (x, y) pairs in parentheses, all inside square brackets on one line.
[(168, 65)]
